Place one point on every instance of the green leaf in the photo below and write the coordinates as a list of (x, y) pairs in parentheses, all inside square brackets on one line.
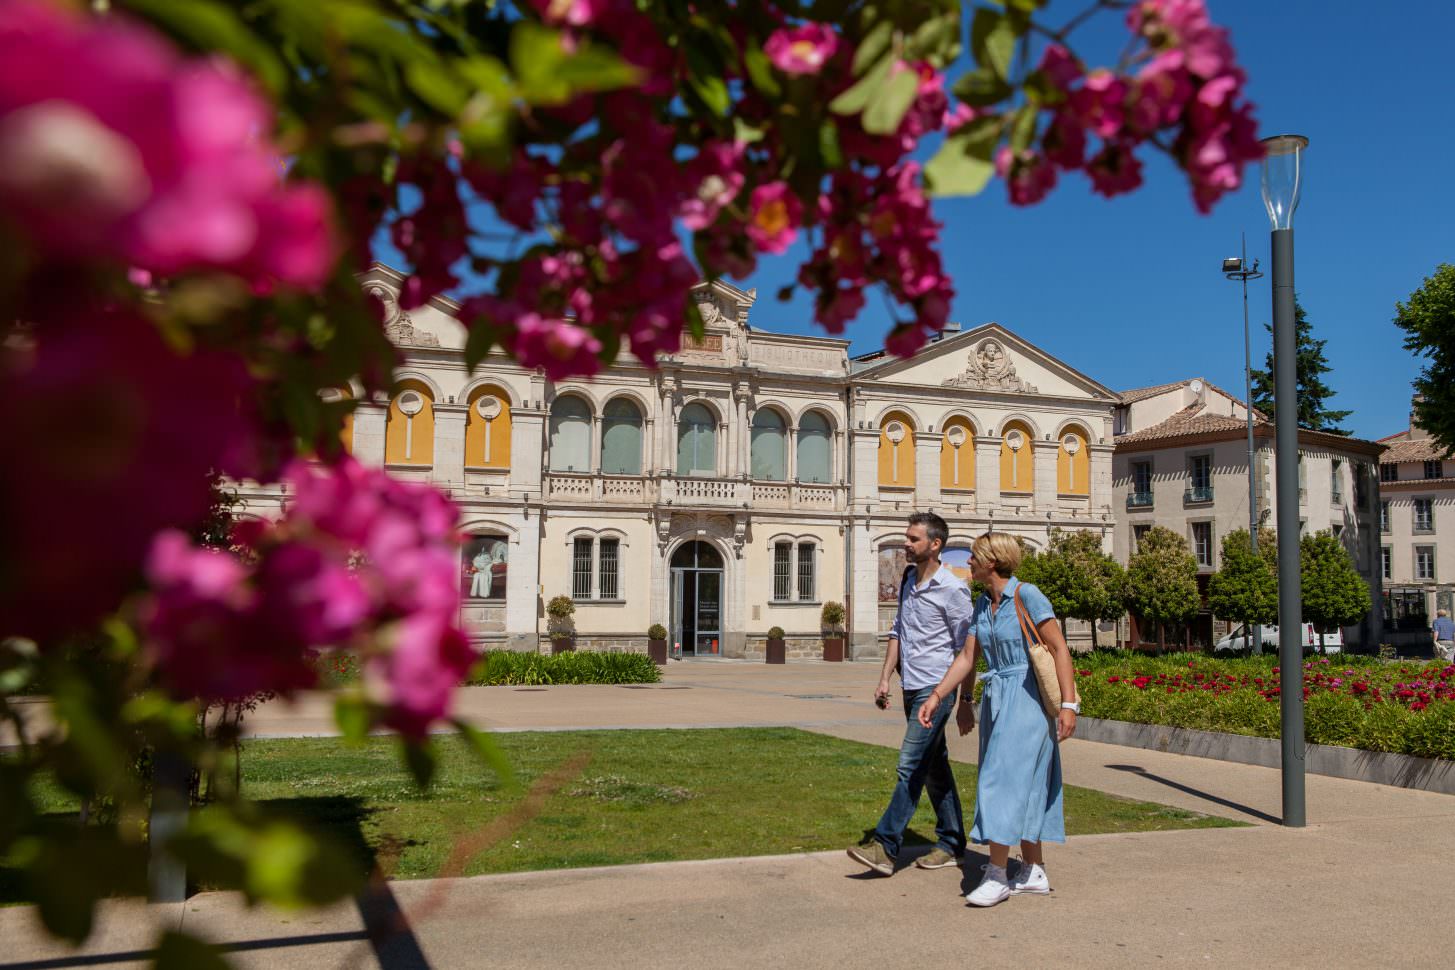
[(874, 46), (487, 751), (419, 758), (937, 40), (746, 133), (1023, 127), (714, 93), (268, 857), (889, 103), (352, 715), (992, 41), (856, 98), (828, 145), (436, 86), (178, 951), (550, 74), (760, 71), (981, 87), (962, 166), (211, 26)]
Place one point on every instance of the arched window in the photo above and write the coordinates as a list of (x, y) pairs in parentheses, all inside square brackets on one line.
[(487, 428), (1073, 463), (815, 449), (409, 428), (896, 451), (957, 455), (769, 451), (696, 555), (621, 438), (570, 435), (696, 441), (1016, 464)]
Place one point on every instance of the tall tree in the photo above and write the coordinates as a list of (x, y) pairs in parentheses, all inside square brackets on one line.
[(1245, 589), (1334, 594), (1081, 581), (1428, 320), (1162, 580), (1313, 393)]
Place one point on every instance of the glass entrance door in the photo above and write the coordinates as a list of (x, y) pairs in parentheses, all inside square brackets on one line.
[(709, 612), (696, 598)]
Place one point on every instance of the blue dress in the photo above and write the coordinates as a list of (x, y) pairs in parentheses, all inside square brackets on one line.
[(1018, 790)]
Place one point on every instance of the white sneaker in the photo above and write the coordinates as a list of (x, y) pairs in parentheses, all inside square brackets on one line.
[(993, 888), (1030, 878)]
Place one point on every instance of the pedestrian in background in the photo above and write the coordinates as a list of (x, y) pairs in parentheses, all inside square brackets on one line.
[(1443, 631), (1018, 788)]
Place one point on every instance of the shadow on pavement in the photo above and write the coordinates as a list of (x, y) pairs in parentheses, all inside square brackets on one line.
[(1205, 796)]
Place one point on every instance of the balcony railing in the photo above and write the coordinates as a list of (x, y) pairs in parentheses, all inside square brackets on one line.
[(1198, 493), (1139, 500)]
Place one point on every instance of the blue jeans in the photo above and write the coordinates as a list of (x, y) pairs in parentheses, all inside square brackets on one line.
[(924, 762)]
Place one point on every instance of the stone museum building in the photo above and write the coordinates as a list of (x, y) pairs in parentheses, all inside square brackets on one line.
[(739, 485)]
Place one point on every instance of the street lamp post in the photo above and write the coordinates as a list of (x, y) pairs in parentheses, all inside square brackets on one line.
[(1281, 175), (1236, 268)]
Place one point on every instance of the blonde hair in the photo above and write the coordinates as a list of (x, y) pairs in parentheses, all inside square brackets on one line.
[(1442, 613), (1000, 548)]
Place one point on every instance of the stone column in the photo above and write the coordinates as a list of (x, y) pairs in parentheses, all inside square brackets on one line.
[(790, 456), (1043, 455), (864, 577), (527, 449), (865, 480), (369, 421), (987, 473), (743, 419), (593, 460), (927, 469), (522, 584), (449, 444), (1101, 478)]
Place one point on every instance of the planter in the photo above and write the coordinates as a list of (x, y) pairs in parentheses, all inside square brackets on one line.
[(563, 646), (833, 649), (777, 652), (657, 650)]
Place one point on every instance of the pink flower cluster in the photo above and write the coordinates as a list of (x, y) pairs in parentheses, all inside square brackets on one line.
[(1188, 85), (101, 414), (359, 561), (113, 147)]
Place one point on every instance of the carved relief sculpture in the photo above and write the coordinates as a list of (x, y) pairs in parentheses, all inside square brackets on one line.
[(397, 325), (990, 368)]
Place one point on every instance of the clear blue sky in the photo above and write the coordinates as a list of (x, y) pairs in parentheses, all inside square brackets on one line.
[(1129, 291)]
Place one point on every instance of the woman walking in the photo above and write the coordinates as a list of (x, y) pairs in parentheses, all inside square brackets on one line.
[(1018, 790)]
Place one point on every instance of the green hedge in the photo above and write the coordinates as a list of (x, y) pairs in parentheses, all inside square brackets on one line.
[(505, 668), (1351, 701)]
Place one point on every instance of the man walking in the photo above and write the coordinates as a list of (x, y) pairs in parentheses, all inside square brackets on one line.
[(1443, 631), (935, 609)]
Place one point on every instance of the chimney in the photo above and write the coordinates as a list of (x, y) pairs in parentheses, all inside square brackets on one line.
[(948, 330), (1415, 430)]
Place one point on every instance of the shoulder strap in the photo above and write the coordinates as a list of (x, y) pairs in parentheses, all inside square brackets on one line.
[(1028, 629)]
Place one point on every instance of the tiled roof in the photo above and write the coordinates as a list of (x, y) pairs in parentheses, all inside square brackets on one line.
[(1142, 393), (1188, 421), (1411, 449)]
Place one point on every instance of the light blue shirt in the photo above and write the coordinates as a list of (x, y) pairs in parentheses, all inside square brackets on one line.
[(932, 624), (1444, 628)]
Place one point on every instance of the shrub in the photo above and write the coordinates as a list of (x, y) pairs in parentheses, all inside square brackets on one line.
[(775, 633), (506, 668), (656, 632), (561, 607), (832, 616)]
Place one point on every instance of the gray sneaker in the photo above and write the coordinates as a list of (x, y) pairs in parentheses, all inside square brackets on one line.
[(936, 858), (872, 854)]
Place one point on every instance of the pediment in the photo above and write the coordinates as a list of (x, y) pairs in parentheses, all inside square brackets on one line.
[(989, 360)]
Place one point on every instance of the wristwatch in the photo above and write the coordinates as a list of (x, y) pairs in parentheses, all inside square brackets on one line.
[(1073, 706)]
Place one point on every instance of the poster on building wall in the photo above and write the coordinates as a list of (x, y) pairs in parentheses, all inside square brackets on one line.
[(483, 567), (891, 571)]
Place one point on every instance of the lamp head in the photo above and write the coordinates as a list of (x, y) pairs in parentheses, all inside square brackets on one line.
[(1282, 171), (1233, 264)]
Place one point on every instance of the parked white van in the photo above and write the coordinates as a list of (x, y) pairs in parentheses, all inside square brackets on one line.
[(1238, 639)]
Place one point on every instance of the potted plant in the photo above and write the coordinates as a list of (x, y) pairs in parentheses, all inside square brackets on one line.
[(833, 627), (562, 629), (657, 644), (777, 653)]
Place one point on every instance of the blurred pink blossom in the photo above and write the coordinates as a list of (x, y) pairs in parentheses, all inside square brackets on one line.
[(804, 49), (774, 217)]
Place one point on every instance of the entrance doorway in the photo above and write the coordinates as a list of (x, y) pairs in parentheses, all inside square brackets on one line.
[(696, 601)]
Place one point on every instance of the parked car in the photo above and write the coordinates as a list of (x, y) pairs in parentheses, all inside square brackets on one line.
[(1238, 639)]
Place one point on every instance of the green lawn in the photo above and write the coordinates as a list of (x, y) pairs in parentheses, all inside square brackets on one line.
[(643, 796)]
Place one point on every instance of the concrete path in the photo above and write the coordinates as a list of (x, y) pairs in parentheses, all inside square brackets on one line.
[(1368, 883)]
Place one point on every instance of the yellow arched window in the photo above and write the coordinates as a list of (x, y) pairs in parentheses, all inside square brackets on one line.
[(409, 429), (1073, 463), (957, 455), (1017, 466), (487, 428), (896, 451)]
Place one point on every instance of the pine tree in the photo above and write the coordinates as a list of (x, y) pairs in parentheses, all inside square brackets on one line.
[(1313, 393), (1334, 594), (1428, 320)]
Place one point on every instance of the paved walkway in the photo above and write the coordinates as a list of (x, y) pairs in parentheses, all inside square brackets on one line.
[(1368, 883)]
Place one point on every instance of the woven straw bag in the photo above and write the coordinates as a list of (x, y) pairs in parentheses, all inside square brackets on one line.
[(1042, 661)]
